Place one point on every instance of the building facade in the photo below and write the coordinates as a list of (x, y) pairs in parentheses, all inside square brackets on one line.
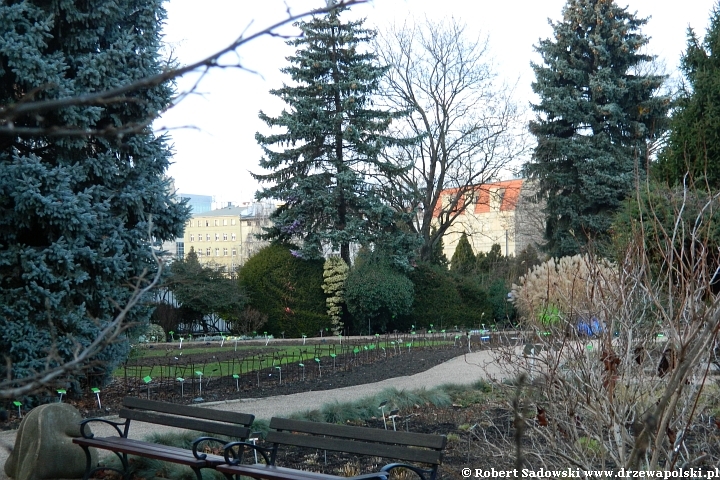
[(496, 213), (227, 237)]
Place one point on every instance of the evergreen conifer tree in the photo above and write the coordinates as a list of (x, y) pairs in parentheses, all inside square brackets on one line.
[(75, 209), (332, 138), (335, 274), (596, 113), (463, 260), (437, 256), (694, 143)]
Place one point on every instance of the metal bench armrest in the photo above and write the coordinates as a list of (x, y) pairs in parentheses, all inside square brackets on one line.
[(242, 446), (196, 443), (115, 425)]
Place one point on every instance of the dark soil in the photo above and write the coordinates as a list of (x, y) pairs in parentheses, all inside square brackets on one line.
[(404, 364)]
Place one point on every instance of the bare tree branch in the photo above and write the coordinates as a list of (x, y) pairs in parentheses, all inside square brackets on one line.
[(470, 128), (27, 106)]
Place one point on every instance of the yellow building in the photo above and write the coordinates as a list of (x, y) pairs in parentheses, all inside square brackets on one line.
[(227, 237), (496, 213)]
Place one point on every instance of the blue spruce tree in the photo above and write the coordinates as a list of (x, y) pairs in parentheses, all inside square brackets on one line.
[(330, 146), (596, 114), (79, 185)]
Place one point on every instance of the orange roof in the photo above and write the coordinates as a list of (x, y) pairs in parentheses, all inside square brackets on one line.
[(482, 196)]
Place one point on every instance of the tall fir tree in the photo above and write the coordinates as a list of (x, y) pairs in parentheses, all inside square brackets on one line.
[(597, 112), (693, 147), (75, 209), (332, 137), (463, 259)]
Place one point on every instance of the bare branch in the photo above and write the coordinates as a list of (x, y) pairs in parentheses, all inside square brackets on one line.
[(470, 128), (27, 106)]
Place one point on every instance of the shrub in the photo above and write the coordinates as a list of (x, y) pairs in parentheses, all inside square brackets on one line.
[(154, 333), (249, 320), (286, 289), (564, 289), (445, 300), (375, 292)]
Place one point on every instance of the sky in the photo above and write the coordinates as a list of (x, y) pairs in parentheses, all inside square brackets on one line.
[(213, 128)]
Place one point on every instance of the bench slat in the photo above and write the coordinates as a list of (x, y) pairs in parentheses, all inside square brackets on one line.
[(205, 426), (432, 457), (149, 450), (189, 411), (272, 472), (361, 433)]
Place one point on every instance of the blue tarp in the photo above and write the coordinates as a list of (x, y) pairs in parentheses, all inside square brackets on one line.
[(589, 328)]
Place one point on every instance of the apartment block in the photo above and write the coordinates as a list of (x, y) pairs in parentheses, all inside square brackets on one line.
[(227, 237)]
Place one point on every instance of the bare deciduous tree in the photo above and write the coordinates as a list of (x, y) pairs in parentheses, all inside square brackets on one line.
[(469, 127)]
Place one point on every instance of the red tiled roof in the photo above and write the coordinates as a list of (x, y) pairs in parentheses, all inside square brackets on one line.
[(482, 194)]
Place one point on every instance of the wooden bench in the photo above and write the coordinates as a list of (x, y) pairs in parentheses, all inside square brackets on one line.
[(214, 422), (417, 448)]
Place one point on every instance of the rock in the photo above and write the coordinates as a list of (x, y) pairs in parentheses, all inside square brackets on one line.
[(43, 445)]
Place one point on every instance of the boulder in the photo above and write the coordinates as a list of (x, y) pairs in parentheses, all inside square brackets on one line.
[(43, 445)]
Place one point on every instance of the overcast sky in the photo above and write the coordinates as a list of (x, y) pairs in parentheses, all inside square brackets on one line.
[(213, 130)]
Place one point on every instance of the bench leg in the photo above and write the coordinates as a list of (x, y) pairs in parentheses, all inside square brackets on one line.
[(197, 473), (90, 470)]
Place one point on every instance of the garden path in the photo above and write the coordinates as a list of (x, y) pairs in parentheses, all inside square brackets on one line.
[(465, 369)]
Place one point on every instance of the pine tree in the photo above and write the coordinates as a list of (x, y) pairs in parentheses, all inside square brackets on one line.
[(463, 260), (694, 143), (596, 113), (332, 138), (75, 210)]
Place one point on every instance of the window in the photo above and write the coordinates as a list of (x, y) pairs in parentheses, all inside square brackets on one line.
[(199, 253), (207, 223), (249, 223), (217, 252), (496, 199), (207, 252), (199, 237), (207, 237), (232, 222), (233, 237), (217, 222), (224, 222), (180, 250), (224, 252), (225, 237), (217, 237), (234, 252), (198, 223), (192, 237)]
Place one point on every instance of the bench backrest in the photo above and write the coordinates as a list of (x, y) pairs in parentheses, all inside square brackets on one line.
[(205, 420), (410, 447)]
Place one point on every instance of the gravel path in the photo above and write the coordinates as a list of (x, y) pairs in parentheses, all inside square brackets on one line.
[(461, 370)]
